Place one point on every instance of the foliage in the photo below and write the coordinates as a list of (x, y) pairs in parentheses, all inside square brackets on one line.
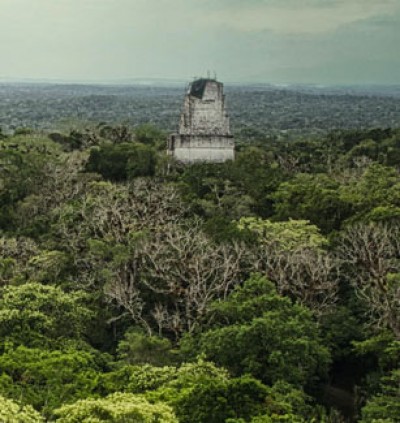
[(48, 266), (115, 134), (215, 400), (201, 392), (263, 334), (213, 397), (118, 162), (378, 186), (315, 198), (12, 412), (232, 189), (385, 406), (292, 255), (102, 236), (24, 161), (285, 404), (16, 254), (340, 330), (116, 408), (137, 348), (383, 347), (139, 379), (47, 379), (284, 235), (141, 163), (150, 135), (35, 315), (136, 379)]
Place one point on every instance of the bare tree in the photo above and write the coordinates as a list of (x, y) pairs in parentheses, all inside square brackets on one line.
[(129, 239), (370, 255), (15, 254), (310, 275), (289, 163), (292, 254), (113, 214), (63, 182), (124, 290), (183, 271), (116, 134)]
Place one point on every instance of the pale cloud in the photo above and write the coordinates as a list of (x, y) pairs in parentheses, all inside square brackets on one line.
[(263, 40), (300, 17)]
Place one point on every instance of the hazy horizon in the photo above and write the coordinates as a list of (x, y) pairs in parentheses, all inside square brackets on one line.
[(160, 82), (321, 42)]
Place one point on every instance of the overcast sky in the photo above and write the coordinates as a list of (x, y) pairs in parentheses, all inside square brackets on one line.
[(277, 41)]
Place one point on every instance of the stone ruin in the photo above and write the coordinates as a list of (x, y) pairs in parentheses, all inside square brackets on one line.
[(203, 134)]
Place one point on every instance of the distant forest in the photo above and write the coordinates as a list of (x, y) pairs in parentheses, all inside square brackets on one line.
[(255, 111), (136, 289)]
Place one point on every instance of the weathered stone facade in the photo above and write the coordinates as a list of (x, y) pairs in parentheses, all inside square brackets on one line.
[(204, 133)]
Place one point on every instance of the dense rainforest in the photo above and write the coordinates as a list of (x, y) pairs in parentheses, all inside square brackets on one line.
[(136, 289)]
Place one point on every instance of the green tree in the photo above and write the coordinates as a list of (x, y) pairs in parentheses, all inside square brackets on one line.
[(110, 160), (142, 162), (214, 401), (139, 379), (118, 162), (12, 412), (384, 407), (378, 186), (2, 134), (256, 331), (35, 315), (116, 408), (201, 392), (287, 236), (257, 175), (24, 167), (47, 379), (284, 403), (149, 134), (233, 189), (49, 266), (137, 348), (136, 379), (311, 197)]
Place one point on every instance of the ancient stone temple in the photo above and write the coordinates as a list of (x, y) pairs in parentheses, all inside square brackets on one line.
[(203, 133)]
